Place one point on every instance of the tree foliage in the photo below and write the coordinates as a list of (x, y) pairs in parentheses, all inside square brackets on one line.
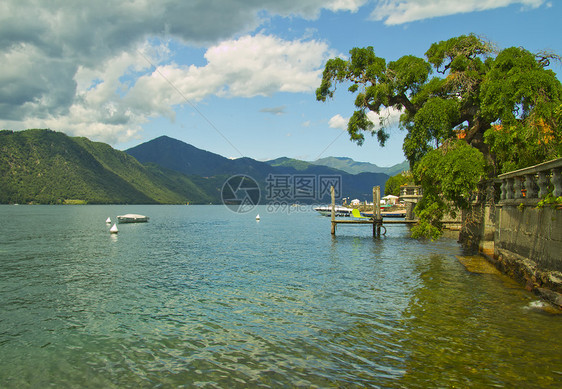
[(393, 184), (505, 104), (525, 100), (448, 176), (459, 90)]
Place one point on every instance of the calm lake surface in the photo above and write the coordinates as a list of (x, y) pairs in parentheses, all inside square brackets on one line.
[(203, 297)]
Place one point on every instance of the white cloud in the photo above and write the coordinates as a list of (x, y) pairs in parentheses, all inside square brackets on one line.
[(339, 122), (78, 67), (263, 65), (99, 108), (246, 67), (388, 117), (112, 101), (404, 11), (345, 5), (75, 66)]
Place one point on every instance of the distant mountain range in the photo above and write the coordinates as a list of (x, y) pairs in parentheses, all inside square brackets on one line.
[(344, 164), (187, 159), (182, 157), (353, 167), (44, 166)]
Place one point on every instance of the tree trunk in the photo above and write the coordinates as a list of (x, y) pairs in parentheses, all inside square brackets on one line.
[(475, 138)]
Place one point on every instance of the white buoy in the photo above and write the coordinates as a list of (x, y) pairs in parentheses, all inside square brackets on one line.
[(114, 229), (258, 217), (108, 220)]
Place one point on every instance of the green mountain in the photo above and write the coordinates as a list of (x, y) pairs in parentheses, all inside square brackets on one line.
[(48, 167), (296, 164), (187, 159), (353, 167), (179, 156), (341, 164)]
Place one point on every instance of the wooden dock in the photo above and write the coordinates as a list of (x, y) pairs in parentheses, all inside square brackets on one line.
[(376, 221)]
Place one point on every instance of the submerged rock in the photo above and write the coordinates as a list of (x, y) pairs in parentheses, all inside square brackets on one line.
[(478, 264)]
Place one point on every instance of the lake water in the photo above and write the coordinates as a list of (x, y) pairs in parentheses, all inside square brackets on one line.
[(203, 297)]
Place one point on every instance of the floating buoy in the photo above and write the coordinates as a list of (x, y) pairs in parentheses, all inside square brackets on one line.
[(258, 217), (108, 220), (114, 229)]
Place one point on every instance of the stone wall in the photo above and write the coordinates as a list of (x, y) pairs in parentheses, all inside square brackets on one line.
[(528, 238), (528, 243), (522, 239), (478, 228)]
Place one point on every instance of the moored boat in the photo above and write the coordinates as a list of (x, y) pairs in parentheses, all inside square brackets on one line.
[(396, 213), (132, 218), (326, 210)]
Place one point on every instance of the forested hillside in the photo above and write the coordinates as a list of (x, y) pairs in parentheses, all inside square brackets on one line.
[(48, 167)]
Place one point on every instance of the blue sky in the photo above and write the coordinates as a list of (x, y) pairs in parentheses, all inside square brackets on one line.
[(231, 77)]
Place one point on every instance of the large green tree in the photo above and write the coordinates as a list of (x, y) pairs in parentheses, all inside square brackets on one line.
[(504, 104), (393, 184)]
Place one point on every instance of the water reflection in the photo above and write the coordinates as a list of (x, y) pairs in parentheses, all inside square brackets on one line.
[(468, 329)]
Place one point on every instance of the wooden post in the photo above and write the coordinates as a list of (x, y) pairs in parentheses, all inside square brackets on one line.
[(378, 196), (375, 212), (333, 194), (377, 219)]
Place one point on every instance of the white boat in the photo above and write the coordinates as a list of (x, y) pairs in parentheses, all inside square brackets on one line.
[(132, 218), (326, 210)]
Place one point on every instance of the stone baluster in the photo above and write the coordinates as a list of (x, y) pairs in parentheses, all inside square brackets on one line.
[(534, 182), (509, 189), (543, 184), (557, 181), (517, 186), (503, 188), (530, 186)]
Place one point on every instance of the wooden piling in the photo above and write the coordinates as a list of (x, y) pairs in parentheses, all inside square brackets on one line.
[(333, 194), (377, 219), (375, 211)]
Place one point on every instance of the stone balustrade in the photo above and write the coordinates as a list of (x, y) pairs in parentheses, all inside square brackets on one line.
[(410, 192), (532, 183)]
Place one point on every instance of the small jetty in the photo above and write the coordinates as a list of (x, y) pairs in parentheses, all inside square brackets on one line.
[(376, 221)]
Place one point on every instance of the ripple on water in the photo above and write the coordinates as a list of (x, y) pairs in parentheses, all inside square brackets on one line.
[(200, 296)]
